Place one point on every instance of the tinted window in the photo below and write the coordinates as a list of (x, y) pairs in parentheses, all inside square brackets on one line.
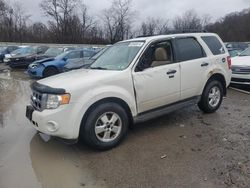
[(74, 55), (88, 53), (214, 45), (188, 49)]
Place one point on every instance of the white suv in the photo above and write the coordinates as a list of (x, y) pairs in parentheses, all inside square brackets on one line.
[(133, 81)]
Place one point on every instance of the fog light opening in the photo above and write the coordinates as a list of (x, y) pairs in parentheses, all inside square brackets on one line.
[(52, 126)]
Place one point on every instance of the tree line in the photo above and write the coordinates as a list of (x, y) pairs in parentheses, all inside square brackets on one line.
[(69, 21)]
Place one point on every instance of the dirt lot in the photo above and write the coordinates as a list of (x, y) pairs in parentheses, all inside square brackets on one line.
[(183, 149)]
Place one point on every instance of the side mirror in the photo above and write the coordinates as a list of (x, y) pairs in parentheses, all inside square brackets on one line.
[(65, 59)]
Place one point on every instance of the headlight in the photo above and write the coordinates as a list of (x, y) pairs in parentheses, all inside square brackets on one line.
[(54, 101), (33, 66)]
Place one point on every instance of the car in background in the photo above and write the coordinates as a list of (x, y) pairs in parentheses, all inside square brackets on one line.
[(26, 55), (241, 68), (4, 50), (22, 57), (51, 66), (84, 63), (236, 45)]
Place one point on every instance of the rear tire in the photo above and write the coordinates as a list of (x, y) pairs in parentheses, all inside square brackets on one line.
[(105, 126), (50, 71), (212, 97)]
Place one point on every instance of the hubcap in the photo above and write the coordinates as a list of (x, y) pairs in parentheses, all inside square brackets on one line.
[(108, 127), (214, 96)]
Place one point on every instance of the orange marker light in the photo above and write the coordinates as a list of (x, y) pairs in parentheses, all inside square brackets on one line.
[(65, 99)]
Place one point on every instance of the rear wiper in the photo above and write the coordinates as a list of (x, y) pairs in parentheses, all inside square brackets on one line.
[(98, 68)]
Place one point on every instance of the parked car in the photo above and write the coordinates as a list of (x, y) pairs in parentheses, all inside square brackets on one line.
[(53, 52), (20, 58), (241, 68), (133, 81), (84, 63), (236, 45), (4, 50), (51, 66)]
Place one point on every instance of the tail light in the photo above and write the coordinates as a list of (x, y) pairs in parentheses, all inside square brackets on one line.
[(229, 62)]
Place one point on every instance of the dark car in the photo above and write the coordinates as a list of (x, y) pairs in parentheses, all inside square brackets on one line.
[(84, 63), (6, 50), (22, 57)]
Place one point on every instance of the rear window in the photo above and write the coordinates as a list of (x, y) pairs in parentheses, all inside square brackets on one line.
[(189, 49), (214, 45)]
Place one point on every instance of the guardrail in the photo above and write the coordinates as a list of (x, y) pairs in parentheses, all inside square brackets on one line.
[(49, 44)]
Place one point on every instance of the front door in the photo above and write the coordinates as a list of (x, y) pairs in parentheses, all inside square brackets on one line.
[(157, 78)]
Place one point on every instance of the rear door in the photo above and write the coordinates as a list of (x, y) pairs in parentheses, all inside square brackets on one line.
[(194, 64)]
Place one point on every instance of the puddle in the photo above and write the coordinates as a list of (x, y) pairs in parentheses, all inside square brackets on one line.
[(25, 159)]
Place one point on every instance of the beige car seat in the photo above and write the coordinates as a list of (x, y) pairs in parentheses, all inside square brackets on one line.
[(161, 57)]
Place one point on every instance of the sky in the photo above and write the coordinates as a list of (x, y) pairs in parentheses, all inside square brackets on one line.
[(152, 8)]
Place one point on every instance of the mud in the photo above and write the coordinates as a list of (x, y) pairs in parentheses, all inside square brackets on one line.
[(183, 149)]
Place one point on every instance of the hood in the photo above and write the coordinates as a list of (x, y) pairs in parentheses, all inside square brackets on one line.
[(44, 60), (21, 55), (241, 61), (79, 79)]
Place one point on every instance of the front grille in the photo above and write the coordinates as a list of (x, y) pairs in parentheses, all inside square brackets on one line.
[(240, 70), (37, 100)]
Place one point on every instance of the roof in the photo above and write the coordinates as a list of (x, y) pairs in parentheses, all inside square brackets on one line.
[(159, 37)]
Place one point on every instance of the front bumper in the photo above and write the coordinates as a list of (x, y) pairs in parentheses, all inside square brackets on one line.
[(57, 123), (241, 79)]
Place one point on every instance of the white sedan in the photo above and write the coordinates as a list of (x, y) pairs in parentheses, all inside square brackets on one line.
[(241, 68)]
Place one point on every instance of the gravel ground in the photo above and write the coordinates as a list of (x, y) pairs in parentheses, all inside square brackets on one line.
[(185, 149)]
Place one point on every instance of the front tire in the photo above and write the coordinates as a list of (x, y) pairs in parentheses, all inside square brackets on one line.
[(105, 127), (50, 71), (212, 97)]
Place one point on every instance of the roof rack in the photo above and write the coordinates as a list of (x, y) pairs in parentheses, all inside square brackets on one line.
[(177, 32)]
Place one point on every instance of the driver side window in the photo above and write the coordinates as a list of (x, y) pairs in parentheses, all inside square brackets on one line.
[(158, 54)]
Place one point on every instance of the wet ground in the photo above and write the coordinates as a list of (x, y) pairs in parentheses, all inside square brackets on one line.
[(183, 149)]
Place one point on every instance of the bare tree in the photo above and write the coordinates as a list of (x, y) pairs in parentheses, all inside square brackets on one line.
[(118, 19), (61, 11), (188, 21), (87, 21), (154, 26)]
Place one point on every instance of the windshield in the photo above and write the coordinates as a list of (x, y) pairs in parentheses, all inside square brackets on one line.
[(118, 56), (26, 50), (245, 53), (61, 56), (96, 56), (2, 48), (54, 52)]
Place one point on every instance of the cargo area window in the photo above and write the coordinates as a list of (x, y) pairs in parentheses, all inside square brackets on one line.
[(214, 45)]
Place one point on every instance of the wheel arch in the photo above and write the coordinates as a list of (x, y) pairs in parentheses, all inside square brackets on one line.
[(116, 100), (219, 77)]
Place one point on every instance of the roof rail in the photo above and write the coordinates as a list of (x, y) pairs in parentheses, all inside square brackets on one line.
[(177, 32)]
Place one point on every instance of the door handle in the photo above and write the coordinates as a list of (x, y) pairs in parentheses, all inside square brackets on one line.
[(204, 64), (171, 72)]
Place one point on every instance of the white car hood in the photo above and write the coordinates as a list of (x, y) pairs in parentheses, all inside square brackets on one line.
[(79, 79), (241, 61)]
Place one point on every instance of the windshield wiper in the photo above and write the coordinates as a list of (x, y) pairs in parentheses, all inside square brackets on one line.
[(98, 68)]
